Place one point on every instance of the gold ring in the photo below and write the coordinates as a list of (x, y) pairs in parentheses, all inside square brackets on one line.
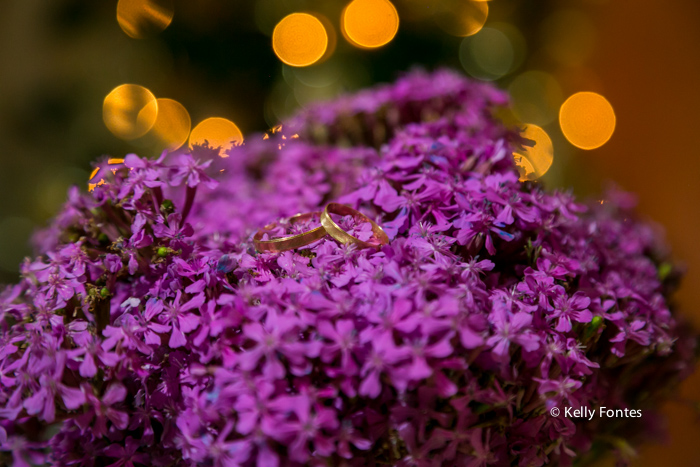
[(277, 244), (342, 236)]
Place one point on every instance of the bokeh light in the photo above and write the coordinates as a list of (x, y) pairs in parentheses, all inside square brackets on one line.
[(579, 77), (298, 87), (267, 13), (488, 55), (569, 36), (321, 82), (279, 103), (306, 95), (300, 39), (332, 39), (172, 126), (538, 154), (587, 120), (415, 10), (144, 18), (217, 132), (535, 97), (461, 17), (322, 75), (129, 111), (517, 42), (14, 232), (51, 185), (369, 23)]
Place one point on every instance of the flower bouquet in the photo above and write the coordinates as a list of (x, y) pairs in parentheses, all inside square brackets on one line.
[(149, 330)]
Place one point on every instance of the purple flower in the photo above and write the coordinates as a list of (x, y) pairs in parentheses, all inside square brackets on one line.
[(61, 284), (540, 286), (126, 333), (308, 426), (272, 340), (382, 358), (151, 331), (144, 174), (101, 410), (349, 435), (561, 388), (483, 454), (510, 329), (472, 269), (178, 317), (173, 228), (480, 226), (343, 337), (253, 406), (634, 331), (568, 308), (192, 173), (226, 453), (43, 401), (420, 351), (127, 454), (92, 350)]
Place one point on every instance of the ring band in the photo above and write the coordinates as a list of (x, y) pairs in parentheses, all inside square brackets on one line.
[(342, 236), (277, 244)]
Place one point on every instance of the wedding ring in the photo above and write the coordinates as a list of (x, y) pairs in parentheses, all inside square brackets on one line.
[(342, 236), (277, 244)]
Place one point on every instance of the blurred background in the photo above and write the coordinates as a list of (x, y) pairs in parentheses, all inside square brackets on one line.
[(607, 89)]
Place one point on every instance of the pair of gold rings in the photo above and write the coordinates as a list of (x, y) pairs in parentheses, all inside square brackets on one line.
[(328, 227)]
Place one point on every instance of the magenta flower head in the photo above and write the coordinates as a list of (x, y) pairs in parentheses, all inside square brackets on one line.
[(149, 331)]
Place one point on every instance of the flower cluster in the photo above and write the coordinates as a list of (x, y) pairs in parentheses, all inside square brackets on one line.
[(149, 330)]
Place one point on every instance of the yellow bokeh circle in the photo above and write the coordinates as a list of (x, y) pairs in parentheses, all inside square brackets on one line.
[(129, 111), (172, 126), (369, 23), (217, 132), (461, 18), (143, 18), (587, 120), (299, 39), (538, 154)]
